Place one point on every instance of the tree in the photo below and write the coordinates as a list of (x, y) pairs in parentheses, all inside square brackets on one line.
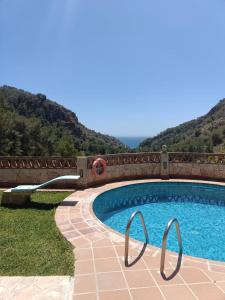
[(216, 139)]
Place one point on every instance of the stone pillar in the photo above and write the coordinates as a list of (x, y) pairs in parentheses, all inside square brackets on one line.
[(82, 170), (164, 163)]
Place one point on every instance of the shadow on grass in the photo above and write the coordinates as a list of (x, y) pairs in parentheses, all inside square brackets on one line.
[(34, 205), (41, 205)]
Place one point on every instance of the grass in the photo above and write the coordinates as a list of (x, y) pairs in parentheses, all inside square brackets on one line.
[(30, 243)]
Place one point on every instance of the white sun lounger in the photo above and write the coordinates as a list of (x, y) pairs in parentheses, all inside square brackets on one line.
[(32, 188), (21, 194)]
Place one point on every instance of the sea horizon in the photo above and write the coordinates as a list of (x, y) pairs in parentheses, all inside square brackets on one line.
[(131, 141)]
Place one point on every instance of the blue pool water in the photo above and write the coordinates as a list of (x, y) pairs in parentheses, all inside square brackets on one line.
[(199, 208)]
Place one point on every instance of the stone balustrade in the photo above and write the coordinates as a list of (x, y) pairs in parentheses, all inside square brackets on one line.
[(199, 158), (127, 159), (35, 170), (209, 166), (30, 170), (38, 163)]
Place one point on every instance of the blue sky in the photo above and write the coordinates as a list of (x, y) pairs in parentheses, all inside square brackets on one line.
[(124, 67)]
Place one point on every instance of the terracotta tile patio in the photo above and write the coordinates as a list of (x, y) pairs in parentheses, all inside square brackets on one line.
[(99, 252)]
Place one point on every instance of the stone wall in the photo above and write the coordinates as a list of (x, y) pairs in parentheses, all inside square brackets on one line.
[(34, 170), (197, 166), (122, 167)]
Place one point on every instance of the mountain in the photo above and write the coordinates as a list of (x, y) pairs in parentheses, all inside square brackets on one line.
[(33, 125), (204, 134)]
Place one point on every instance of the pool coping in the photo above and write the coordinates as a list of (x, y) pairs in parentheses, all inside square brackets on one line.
[(99, 252)]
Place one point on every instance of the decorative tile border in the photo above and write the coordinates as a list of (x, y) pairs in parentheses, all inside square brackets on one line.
[(99, 268)]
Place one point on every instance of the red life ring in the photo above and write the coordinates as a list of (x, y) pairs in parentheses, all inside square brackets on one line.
[(99, 167)]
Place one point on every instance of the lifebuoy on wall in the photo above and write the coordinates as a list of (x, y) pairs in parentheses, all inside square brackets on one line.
[(99, 167)]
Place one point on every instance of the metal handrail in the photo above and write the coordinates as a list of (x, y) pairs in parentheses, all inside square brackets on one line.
[(163, 251), (127, 237)]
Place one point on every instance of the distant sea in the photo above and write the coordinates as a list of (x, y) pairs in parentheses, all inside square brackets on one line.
[(132, 142)]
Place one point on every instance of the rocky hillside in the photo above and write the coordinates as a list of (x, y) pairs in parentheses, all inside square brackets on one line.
[(204, 134), (33, 125)]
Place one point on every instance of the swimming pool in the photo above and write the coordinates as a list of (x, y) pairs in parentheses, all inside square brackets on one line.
[(199, 208)]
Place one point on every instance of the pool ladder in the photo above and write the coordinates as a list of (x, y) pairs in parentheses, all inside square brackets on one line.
[(127, 238), (164, 242)]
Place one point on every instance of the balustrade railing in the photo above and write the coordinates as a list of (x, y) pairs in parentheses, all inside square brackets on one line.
[(127, 158), (38, 163), (111, 160), (199, 158)]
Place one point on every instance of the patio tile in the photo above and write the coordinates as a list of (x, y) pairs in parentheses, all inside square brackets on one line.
[(111, 281), (84, 267), (193, 275), (215, 276), (76, 220), (61, 217), (140, 265), (160, 281), (102, 243), (87, 230), (62, 222), (94, 236), (104, 252), (221, 285), (177, 292), (146, 294), (84, 284), (81, 225), (208, 291), (112, 295), (83, 254), (71, 234), (196, 264), (120, 250), (89, 296), (67, 227), (217, 268), (107, 265), (137, 279), (152, 262), (80, 242)]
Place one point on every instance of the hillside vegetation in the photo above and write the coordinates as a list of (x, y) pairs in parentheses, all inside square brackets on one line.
[(204, 134), (33, 125)]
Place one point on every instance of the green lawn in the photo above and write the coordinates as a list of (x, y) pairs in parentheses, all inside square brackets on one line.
[(30, 243)]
